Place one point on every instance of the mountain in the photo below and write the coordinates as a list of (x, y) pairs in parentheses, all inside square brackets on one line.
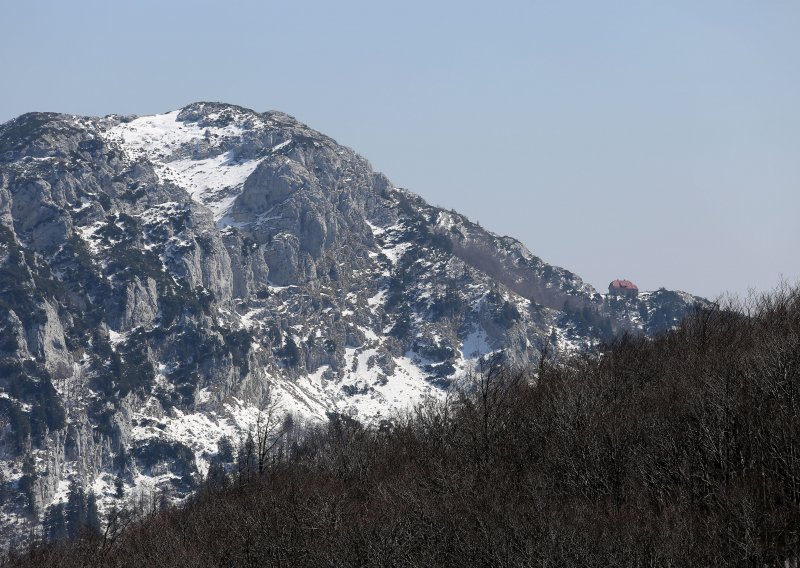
[(165, 278)]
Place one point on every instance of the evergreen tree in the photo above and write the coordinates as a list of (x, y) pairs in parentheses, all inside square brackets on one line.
[(246, 462), (92, 514), (216, 478), (75, 512), (27, 483), (21, 425), (119, 486), (38, 422), (3, 490), (54, 523), (291, 352), (225, 450)]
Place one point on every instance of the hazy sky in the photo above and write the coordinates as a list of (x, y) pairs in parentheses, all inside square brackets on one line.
[(657, 141)]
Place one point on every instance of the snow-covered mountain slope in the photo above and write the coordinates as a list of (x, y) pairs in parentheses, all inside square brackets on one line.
[(163, 278), (205, 160)]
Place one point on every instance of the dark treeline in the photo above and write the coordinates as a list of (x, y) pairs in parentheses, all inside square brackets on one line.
[(678, 451)]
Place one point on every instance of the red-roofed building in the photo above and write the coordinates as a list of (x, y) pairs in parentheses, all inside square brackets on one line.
[(623, 288)]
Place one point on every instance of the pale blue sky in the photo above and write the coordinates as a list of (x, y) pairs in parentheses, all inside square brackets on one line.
[(657, 141)]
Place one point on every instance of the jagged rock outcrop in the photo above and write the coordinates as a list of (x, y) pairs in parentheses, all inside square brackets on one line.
[(160, 276)]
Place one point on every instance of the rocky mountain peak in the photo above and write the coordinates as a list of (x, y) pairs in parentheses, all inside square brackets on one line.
[(164, 277)]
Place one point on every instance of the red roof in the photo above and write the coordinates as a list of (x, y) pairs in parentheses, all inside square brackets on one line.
[(623, 285)]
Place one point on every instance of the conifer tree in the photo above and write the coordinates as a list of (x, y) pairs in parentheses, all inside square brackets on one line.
[(92, 514), (75, 511), (55, 523)]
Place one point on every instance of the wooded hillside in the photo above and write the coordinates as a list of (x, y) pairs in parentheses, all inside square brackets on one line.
[(678, 451)]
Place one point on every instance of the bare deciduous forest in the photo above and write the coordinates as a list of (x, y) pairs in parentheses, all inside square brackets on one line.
[(682, 450)]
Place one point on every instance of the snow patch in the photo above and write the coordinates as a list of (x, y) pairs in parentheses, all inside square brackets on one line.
[(214, 181)]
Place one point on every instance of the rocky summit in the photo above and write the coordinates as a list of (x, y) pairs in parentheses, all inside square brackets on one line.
[(164, 279)]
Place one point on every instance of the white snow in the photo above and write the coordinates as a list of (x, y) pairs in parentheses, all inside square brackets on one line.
[(247, 319), (475, 345), (213, 181), (377, 300), (281, 146), (87, 234), (394, 253), (115, 338)]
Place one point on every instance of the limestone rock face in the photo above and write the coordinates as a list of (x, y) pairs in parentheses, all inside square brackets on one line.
[(161, 277)]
